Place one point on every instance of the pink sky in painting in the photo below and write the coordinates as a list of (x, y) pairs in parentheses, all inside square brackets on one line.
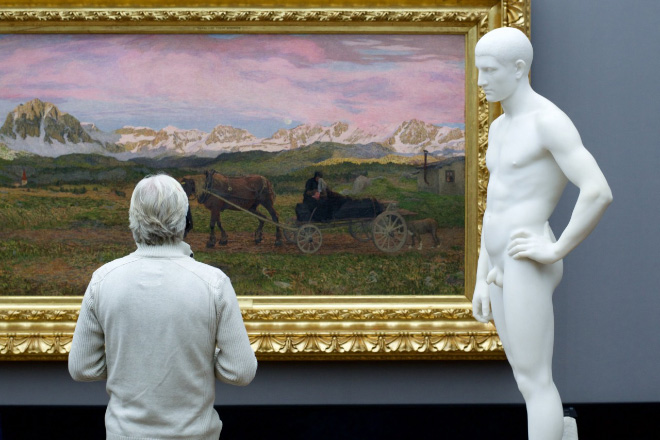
[(256, 82)]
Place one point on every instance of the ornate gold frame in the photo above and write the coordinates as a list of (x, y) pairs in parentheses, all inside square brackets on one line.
[(296, 328)]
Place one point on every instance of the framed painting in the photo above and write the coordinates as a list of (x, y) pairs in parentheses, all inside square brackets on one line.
[(358, 132)]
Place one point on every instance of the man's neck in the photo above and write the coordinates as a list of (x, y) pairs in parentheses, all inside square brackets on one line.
[(520, 101)]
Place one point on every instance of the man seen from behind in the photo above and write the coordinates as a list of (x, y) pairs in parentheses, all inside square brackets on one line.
[(158, 326)]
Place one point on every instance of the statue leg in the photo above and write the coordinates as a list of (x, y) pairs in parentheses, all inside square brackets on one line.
[(525, 308), (497, 308)]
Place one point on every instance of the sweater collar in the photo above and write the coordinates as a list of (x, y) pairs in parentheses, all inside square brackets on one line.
[(181, 249)]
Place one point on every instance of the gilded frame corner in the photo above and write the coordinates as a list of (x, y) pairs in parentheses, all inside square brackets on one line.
[(298, 328)]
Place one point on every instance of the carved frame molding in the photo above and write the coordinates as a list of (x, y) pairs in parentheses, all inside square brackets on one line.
[(302, 328)]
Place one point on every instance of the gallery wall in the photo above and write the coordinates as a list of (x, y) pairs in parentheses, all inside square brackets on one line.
[(597, 60)]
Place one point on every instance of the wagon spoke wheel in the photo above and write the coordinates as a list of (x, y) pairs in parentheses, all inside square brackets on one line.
[(290, 234), (361, 231), (309, 238), (389, 231)]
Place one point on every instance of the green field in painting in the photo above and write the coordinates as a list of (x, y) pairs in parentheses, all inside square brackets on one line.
[(73, 217)]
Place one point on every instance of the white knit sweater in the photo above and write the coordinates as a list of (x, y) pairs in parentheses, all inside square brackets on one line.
[(159, 326)]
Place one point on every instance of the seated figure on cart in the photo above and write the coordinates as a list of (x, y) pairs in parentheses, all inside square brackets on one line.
[(321, 204), (320, 200), (312, 194)]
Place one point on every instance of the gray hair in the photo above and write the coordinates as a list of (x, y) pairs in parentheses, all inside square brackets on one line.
[(506, 45), (158, 211)]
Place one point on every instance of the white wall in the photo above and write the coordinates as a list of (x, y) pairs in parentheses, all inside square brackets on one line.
[(599, 61)]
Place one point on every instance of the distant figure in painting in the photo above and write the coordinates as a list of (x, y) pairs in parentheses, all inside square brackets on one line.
[(534, 150), (320, 199), (159, 326), (312, 193)]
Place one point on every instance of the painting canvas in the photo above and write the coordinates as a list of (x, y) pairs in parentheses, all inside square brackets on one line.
[(380, 116)]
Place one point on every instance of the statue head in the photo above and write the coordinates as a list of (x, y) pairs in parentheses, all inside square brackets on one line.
[(503, 57)]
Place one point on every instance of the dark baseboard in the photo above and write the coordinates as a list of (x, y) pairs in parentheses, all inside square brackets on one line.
[(633, 421)]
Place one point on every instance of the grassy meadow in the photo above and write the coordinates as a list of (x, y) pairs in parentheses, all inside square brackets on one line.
[(72, 217)]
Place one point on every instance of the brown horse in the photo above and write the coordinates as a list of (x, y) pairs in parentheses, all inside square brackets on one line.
[(189, 187), (247, 192)]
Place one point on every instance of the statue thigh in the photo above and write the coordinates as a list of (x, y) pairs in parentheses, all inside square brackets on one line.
[(524, 316)]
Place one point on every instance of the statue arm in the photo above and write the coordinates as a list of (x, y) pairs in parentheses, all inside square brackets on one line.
[(481, 297), (563, 141), (595, 196)]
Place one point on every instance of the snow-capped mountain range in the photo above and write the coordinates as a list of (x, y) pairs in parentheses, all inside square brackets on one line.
[(41, 128)]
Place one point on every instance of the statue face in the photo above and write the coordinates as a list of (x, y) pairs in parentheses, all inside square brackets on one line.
[(497, 80)]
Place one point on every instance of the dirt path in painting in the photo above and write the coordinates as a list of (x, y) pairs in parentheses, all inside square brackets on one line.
[(333, 241), (60, 262)]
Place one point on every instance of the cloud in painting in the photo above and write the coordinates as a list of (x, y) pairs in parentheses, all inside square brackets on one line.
[(257, 82)]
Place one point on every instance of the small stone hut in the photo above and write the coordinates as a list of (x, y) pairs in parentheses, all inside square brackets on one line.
[(445, 178)]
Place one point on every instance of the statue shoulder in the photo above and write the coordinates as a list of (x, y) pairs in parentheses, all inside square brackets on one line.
[(551, 123), (494, 126), (548, 115), (556, 131)]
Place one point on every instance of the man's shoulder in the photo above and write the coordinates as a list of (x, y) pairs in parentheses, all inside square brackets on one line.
[(209, 274), (107, 268)]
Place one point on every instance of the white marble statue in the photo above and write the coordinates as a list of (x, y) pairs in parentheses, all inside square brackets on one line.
[(533, 151)]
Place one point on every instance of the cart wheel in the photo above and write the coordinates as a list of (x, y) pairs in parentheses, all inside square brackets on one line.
[(389, 231), (361, 231), (309, 238), (290, 234)]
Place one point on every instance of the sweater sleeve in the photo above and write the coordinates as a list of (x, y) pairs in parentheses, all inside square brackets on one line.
[(235, 362), (87, 356)]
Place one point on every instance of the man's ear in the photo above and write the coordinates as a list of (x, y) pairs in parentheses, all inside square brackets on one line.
[(520, 68)]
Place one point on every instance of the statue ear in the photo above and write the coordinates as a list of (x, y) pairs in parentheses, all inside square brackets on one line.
[(521, 66)]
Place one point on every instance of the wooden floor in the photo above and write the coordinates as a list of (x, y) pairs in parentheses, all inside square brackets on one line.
[(492, 422)]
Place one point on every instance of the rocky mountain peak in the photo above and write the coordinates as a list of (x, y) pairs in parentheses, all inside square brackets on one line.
[(416, 131), (339, 128), (34, 126), (43, 120), (36, 109), (136, 131), (229, 134)]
